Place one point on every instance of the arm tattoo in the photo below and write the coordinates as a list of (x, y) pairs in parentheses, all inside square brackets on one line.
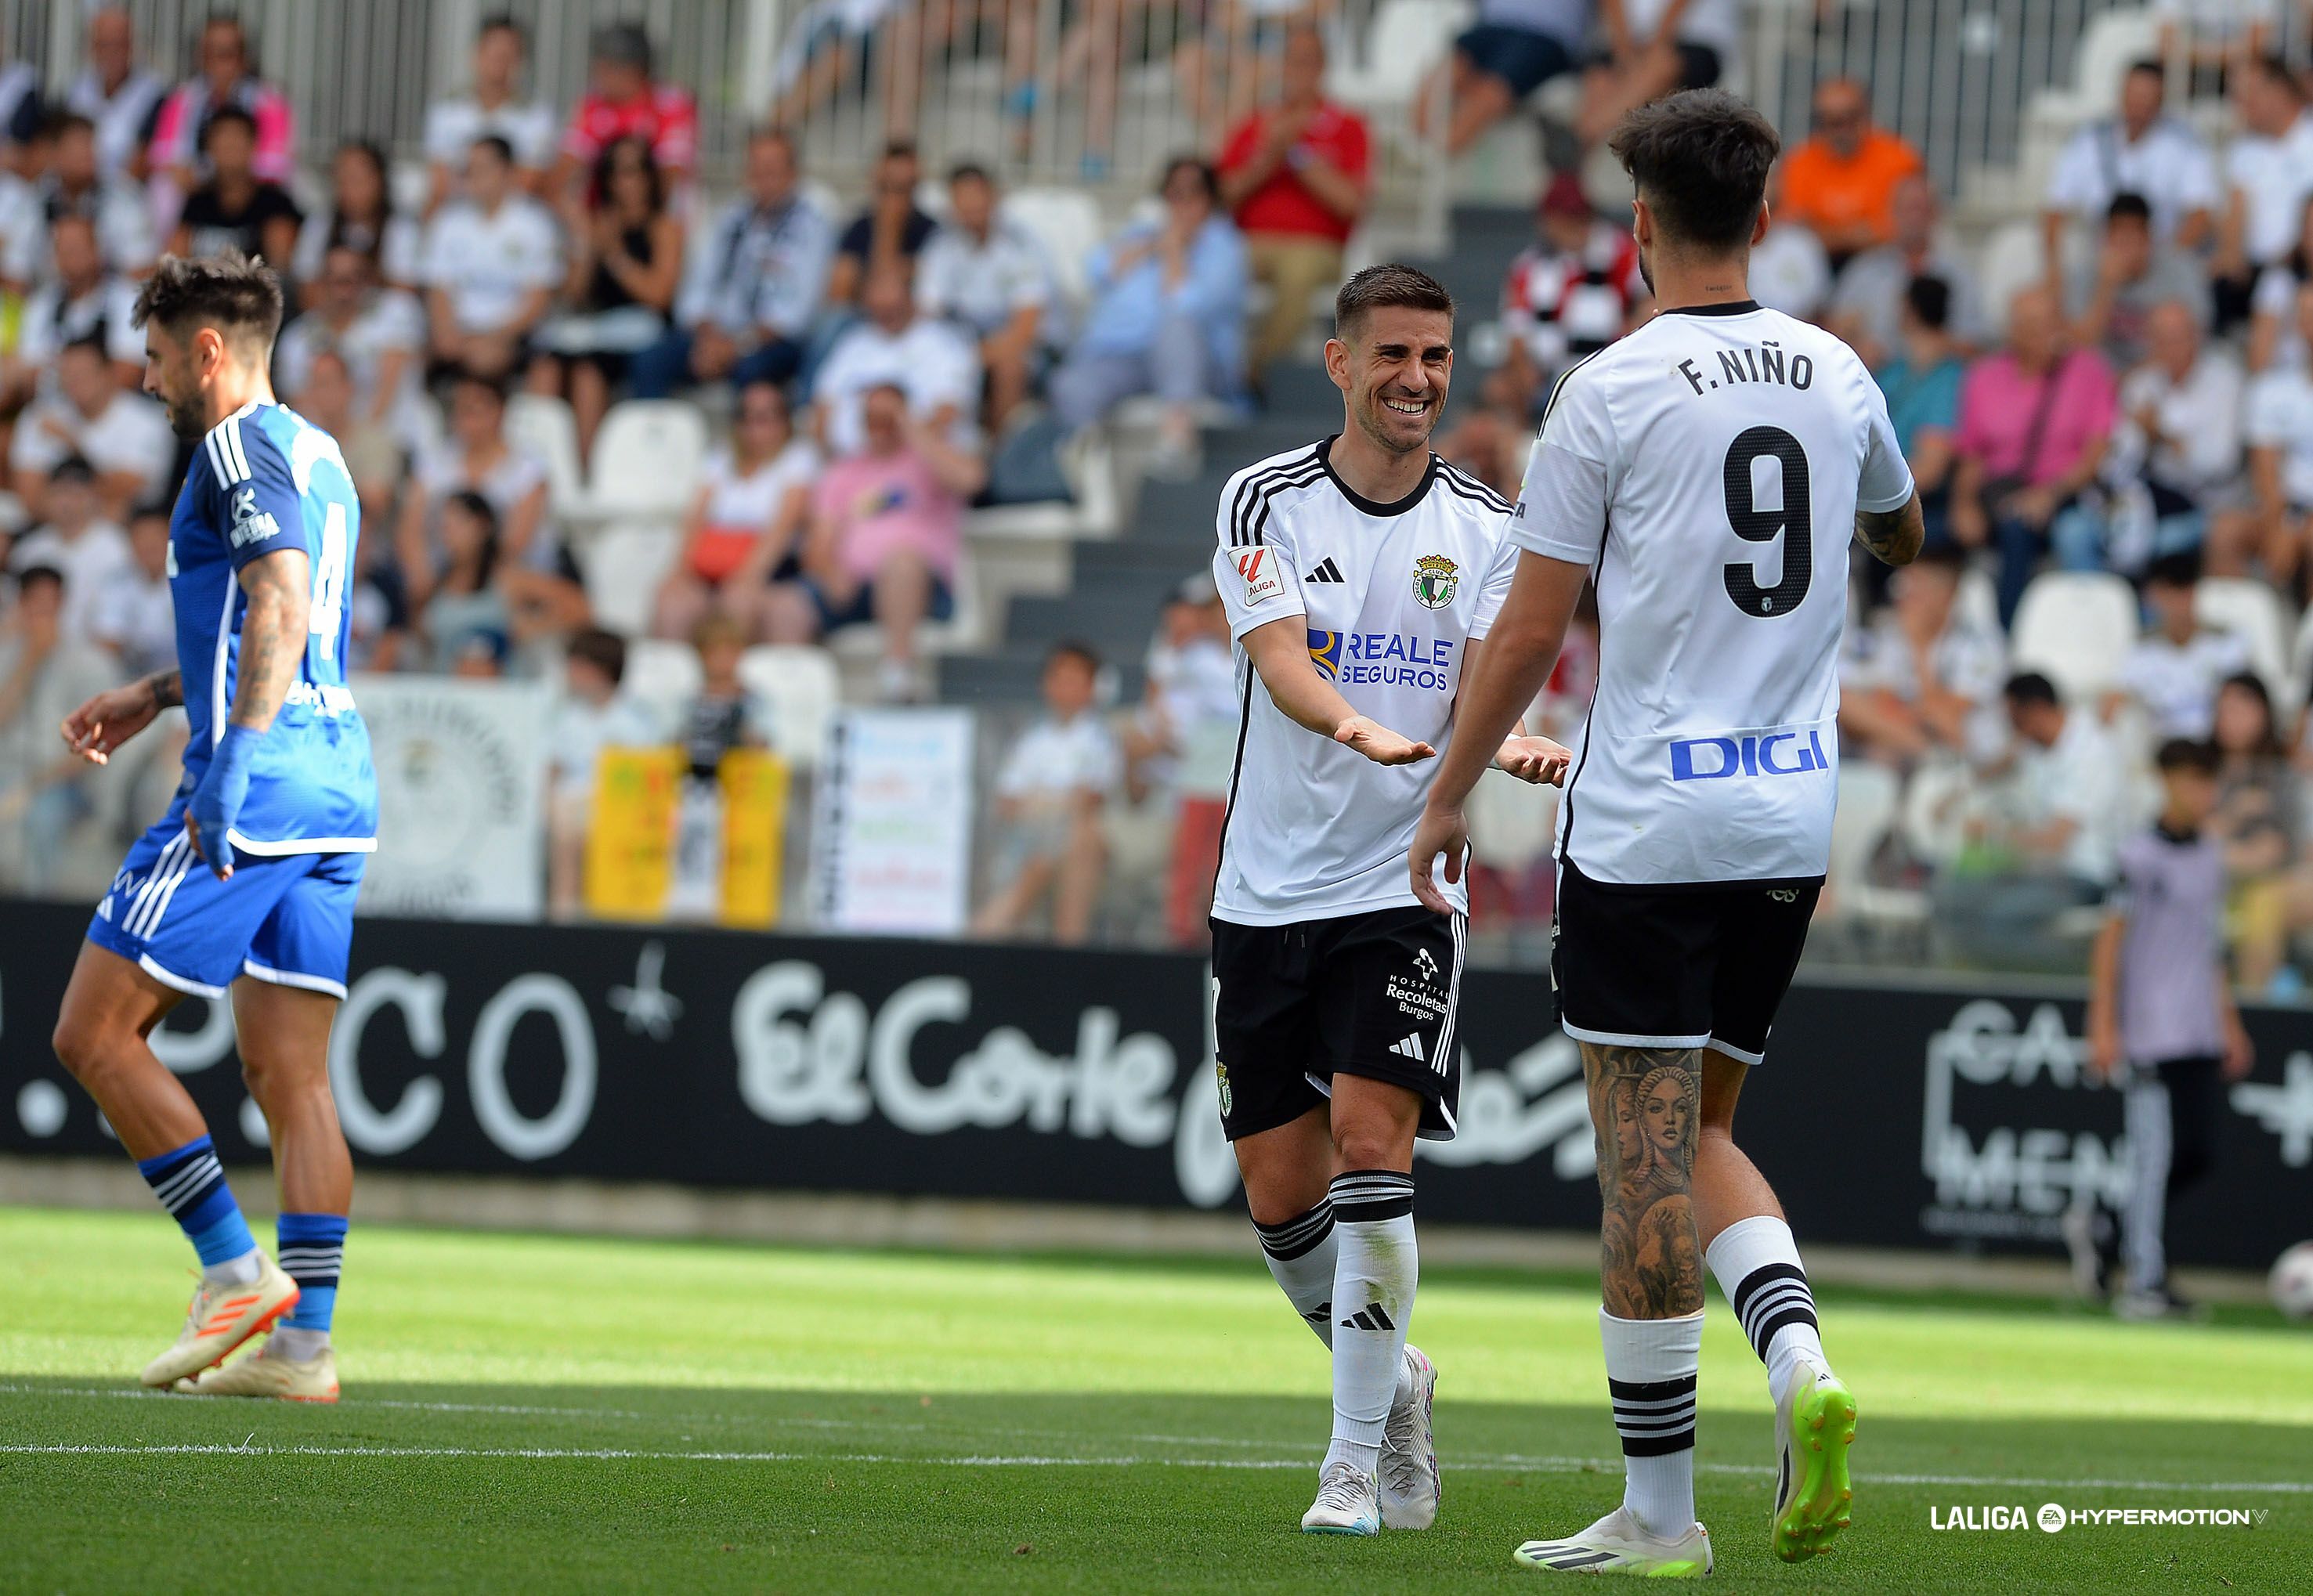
[(1645, 1103), (168, 687), (1894, 535), (272, 635)]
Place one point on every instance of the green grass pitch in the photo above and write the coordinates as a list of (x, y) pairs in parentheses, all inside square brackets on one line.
[(547, 1412)]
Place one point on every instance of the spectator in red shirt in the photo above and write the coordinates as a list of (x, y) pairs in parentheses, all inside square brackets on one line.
[(1569, 294), (621, 100), (1294, 176)]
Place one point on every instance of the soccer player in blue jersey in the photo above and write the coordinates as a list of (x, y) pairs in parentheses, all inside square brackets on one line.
[(247, 885)]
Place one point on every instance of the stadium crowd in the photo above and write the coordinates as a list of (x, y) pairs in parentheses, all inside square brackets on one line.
[(2137, 411)]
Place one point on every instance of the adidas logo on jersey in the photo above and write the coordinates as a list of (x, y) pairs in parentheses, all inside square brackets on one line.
[(1411, 1048), (1327, 571)]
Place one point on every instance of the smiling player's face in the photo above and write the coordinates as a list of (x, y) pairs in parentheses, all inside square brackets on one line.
[(1395, 370)]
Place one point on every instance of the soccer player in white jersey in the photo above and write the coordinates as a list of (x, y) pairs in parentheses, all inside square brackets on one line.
[(247, 884), (1705, 471), (1359, 574)]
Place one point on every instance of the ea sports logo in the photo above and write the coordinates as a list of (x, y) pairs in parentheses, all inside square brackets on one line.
[(1436, 579)]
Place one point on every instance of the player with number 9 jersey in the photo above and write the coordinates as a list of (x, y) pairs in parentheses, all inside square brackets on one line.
[(262, 480)]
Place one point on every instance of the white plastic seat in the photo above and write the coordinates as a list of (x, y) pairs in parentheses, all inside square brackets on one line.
[(1407, 38), (542, 425), (1066, 222), (2259, 616), (2075, 628), (624, 567), (647, 458), (802, 690), (2015, 256), (1870, 795), (662, 677)]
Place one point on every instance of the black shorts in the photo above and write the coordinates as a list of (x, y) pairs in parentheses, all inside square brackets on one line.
[(1698, 66), (1524, 60), (1370, 994), (1679, 966)]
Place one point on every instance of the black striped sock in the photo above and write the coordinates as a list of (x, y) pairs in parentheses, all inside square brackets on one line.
[(1302, 1233), (1358, 1195), (1770, 1298), (1654, 1418)]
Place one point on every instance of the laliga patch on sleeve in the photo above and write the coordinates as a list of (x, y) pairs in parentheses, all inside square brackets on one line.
[(1261, 582)]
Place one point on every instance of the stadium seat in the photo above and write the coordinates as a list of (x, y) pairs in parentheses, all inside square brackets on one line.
[(1870, 798), (2014, 258), (2257, 613), (2075, 628), (1067, 222), (1408, 38), (623, 567), (647, 456), (662, 677), (543, 426), (802, 690)]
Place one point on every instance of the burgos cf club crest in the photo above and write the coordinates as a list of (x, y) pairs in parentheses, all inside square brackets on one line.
[(1220, 1078), (1436, 580), (1325, 653)]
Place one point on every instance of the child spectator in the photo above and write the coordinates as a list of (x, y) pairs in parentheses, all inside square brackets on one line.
[(236, 208), (2162, 1025), (2175, 668), (724, 715), (1049, 799), (747, 520), (591, 715)]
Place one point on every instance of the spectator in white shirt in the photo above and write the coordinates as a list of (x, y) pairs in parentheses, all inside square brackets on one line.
[(492, 105), (2140, 151), (2277, 422), (1922, 676), (1048, 798), (2174, 670), (492, 262), (91, 551), (381, 335), (119, 96), (74, 185), (746, 525), (930, 361), (2272, 340), (360, 216), (1867, 308), (23, 232), (2177, 448), (2067, 795), (124, 436), (80, 301), (2269, 175), (756, 282), (44, 672), (134, 616), (988, 276), (591, 715)]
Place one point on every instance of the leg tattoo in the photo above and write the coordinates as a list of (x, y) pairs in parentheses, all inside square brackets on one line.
[(1643, 1103)]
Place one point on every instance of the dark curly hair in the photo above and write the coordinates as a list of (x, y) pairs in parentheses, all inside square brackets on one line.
[(238, 296)]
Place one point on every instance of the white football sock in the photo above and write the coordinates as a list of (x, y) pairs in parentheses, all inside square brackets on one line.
[(1756, 1264), (234, 1271), (299, 1346), (1650, 1370), (1300, 1253), (1375, 1275)]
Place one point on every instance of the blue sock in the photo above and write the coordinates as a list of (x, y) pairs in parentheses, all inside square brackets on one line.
[(190, 1184), (312, 1247)]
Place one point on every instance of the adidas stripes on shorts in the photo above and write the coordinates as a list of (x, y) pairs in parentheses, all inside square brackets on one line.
[(1371, 994)]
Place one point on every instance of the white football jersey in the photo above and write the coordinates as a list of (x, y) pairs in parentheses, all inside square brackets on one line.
[(1709, 468), (1390, 596)]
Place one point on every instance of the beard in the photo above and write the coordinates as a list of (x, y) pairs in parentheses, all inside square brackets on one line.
[(186, 418), (1376, 420)]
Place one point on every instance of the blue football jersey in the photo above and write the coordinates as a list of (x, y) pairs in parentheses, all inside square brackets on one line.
[(265, 479)]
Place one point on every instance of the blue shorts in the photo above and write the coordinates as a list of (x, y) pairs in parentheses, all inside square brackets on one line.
[(860, 610), (287, 918), (1522, 59)]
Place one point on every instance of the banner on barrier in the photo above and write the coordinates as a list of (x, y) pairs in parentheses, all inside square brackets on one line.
[(1886, 1116), (662, 846), (461, 768), (892, 826)]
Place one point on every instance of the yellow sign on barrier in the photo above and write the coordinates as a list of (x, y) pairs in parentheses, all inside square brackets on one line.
[(648, 824)]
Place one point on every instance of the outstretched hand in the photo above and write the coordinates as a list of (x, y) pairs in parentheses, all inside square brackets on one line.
[(1378, 744), (1535, 760)]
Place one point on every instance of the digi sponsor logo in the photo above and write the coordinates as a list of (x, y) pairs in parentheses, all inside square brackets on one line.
[(1772, 753)]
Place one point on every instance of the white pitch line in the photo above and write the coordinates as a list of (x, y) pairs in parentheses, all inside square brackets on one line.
[(998, 1461)]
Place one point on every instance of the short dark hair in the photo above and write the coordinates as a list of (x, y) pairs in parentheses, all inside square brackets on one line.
[(72, 468), (476, 505), (93, 344), (240, 297), (627, 43), (657, 179), (1942, 556), (965, 172), (1073, 648), (497, 144), (1930, 298), (1700, 160), (227, 115), (2148, 66), (2181, 569), (32, 575), (1386, 286), (899, 149), (1206, 174), (2275, 70), (502, 21), (605, 651), (2030, 687), (466, 376), (2187, 753), (57, 123), (2132, 206)]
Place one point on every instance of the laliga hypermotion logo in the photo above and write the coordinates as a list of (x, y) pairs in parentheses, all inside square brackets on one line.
[(1325, 653)]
